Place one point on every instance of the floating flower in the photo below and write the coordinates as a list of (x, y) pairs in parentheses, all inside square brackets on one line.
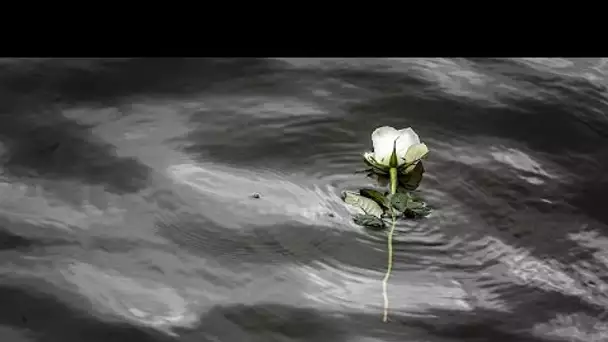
[(396, 154), (406, 144)]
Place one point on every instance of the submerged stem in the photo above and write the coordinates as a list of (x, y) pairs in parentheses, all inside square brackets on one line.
[(388, 270), (393, 174)]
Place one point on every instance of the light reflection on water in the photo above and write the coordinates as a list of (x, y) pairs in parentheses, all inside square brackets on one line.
[(190, 240)]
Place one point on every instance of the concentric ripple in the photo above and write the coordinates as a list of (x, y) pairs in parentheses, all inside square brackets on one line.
[(223, 219)]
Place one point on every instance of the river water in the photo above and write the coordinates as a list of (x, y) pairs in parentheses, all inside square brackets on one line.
[(127, 207)]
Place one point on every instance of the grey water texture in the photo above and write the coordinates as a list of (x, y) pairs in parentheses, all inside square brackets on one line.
[(198, 199)]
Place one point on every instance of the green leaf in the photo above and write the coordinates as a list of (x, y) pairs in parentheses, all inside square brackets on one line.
[(416, 207), (400, 201), (410, 205), (377, 196), (413, 204), (411, 181), (369, 221), (419, 212), (415, 197), (369, 206), (394, 161)]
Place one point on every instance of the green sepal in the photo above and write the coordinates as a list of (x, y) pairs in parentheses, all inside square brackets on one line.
[(411, 181), (394, 160), (369, 221)]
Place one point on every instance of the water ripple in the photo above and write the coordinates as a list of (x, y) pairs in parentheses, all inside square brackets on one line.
[(240, 204)]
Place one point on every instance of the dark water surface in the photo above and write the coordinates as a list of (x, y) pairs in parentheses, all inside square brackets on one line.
[(126, 209)]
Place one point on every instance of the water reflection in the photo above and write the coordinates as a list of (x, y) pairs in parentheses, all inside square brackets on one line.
[(127, 207)]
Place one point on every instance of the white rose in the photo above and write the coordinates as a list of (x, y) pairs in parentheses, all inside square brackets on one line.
[(407, 145)]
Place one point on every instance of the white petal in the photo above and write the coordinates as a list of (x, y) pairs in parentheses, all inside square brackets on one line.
[(369, 158), (383, 139), (407, 138), (416, 152)]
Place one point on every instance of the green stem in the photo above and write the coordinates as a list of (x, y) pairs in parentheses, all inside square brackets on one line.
[(394, 181), (393, 174)]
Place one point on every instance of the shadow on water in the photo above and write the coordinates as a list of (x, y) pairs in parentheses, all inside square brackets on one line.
[(51, 320), (10, 241), (36, 140), (109, 81), (61, 149)]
